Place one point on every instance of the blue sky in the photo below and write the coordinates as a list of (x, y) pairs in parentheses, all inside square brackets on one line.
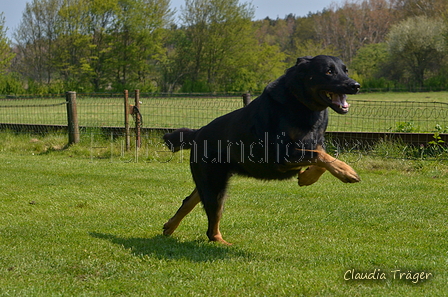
[(13, 9)]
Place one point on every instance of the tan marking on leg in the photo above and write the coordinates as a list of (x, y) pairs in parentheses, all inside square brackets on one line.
[(341, 170), (186, 207), (213, 232), (216, 235), (310, 175), (336, 167)]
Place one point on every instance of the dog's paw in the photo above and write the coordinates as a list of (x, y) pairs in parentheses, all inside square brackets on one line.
[(310, 175), (351, 177), (168, 228), (344, 172)]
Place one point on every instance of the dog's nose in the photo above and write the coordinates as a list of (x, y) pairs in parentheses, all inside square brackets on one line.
[(355, 86)]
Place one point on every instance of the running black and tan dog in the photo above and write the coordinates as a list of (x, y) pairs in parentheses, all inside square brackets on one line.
[(273, 137)]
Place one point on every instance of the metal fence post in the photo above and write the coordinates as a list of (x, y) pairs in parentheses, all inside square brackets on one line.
[(72, 118)]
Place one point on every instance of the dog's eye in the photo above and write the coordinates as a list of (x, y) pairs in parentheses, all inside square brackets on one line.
[(329, 72)]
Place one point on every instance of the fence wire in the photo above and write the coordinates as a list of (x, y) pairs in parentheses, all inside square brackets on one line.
[(160, 112), (97, 111), (42, 111), (391, 116), (191, 112)]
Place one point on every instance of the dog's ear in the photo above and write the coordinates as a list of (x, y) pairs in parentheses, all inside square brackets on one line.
[(294, 80), (302, 60), (290, 83), (302, 66)]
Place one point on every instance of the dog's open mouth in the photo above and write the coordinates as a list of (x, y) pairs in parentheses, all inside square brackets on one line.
[(338, 102)]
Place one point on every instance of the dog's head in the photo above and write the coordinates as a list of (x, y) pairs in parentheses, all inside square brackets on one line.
[(321, 82)]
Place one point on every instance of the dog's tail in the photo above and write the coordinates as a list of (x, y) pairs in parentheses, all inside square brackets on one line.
[(180, 139)]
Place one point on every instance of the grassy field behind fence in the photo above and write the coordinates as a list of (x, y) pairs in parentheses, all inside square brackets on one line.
[(371, 112)]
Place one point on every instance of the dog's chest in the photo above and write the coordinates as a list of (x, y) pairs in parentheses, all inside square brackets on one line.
[(306, 132)]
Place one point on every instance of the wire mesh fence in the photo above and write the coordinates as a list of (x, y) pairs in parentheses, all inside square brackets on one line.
[(34, 111), (192, 111), (100, 110), (391, 116), (186, 111)]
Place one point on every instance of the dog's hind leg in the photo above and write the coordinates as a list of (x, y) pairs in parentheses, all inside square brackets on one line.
[(211, 182), (187, 206), (213, 208), (310, 175)]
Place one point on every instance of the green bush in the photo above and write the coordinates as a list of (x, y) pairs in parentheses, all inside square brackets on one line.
[(10, 84), (438, 82), (191, 86)]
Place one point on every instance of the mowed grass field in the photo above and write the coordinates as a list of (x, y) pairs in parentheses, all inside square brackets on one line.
[(71, 226), (370, 112)]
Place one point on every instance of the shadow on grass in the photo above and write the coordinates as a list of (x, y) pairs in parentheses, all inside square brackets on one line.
[(169, 248)]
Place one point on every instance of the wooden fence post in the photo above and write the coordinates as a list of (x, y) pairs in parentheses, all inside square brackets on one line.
[(72, 118), (126, 121), (246, 99), (138, 120)]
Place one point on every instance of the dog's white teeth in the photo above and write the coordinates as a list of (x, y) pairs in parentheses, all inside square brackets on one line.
[(344, 107)]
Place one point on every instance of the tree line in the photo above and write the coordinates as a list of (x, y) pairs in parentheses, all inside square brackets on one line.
[(216, 45)]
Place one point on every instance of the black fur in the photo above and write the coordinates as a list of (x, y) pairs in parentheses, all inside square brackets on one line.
[(273, 136)]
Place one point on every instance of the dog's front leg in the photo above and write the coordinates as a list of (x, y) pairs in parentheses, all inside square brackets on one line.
[(322, 159), (340, 169)]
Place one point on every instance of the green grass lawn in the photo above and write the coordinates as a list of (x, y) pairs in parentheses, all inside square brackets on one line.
[(73, 226)]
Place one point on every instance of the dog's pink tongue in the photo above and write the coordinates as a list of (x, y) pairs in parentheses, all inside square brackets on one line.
[(339, 100)]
